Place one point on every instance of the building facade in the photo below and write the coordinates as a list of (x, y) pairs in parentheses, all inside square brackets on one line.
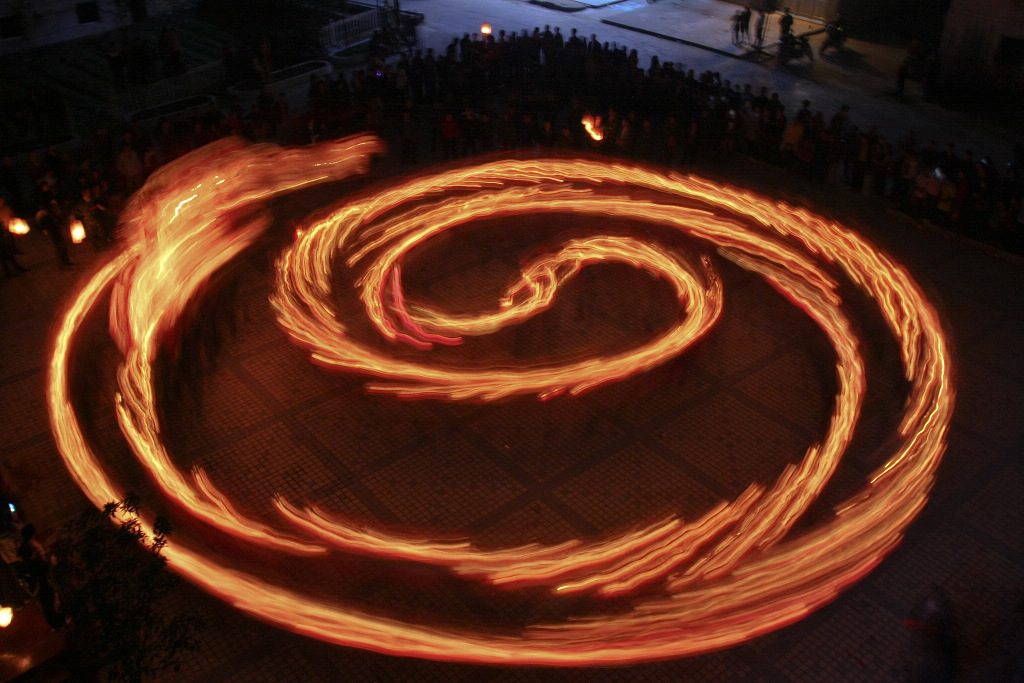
[(26, 24), (983, 43)]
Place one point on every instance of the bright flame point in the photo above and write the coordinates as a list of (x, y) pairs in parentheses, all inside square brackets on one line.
[(77, 231), (18, 226), (593, 127)]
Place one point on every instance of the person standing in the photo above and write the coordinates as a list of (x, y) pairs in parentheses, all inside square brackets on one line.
[(8, 246), (35, 568), (90, 213), (759, 28), (52, 221), (737, 26), (745, 24), (786, 23)]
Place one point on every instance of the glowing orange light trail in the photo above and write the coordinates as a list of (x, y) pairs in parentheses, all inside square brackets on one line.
[(735, 573)]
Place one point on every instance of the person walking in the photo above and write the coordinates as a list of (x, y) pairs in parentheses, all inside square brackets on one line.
[(737, 26)]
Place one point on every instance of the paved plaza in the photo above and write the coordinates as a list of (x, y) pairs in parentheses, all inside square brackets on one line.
[(747, 400)]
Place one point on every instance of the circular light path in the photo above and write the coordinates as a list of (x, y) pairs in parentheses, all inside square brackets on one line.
[(734, 573)]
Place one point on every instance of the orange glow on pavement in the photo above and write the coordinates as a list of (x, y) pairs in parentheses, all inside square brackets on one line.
[(731, 574)]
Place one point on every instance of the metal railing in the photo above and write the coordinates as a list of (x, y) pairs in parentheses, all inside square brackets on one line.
[(350, 31)]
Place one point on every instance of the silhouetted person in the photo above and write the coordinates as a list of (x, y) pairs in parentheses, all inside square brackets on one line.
[(931, 624), (8, 246), (35, 570), (786, 23), (52, 221), (745, 23)]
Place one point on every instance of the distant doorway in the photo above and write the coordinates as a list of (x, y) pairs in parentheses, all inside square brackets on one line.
[(138, 10)]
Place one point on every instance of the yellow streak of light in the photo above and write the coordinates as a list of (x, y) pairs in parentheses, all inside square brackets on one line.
[(735, 573)]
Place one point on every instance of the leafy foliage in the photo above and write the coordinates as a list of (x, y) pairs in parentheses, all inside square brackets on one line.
[(114, 584)]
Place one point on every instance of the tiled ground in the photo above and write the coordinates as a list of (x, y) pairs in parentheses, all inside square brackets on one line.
[(735, 409), (738, 407)]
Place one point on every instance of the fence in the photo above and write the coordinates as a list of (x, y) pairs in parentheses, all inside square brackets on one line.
[(350, 31)]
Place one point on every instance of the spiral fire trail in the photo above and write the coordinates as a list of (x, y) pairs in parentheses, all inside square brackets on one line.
[(734, 573)]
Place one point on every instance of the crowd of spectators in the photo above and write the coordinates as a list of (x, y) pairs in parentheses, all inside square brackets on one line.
[(530, 91), (25, 564)]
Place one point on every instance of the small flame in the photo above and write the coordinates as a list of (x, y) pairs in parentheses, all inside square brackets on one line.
[(77, 231), (593, 127), (6, 616), (18, 226), (485, 29)]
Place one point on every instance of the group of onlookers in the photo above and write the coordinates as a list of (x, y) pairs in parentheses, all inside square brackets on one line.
[(533, 90)]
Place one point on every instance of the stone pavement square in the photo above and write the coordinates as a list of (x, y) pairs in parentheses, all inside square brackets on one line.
[(545, 438), (446, 486), (699, 434), (635, 484), (731, 443), (746, 401)]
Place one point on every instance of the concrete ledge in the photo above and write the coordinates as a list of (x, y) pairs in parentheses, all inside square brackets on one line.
[(285, 78), (749, 55), (353, 55), (169, 109), (561, 5)]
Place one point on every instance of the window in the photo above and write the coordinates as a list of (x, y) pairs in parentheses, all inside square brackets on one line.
[(88, 12), (12, 26)]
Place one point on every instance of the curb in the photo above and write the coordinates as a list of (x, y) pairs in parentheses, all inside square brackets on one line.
[(558, 7), (749, 55), (561, 6)]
